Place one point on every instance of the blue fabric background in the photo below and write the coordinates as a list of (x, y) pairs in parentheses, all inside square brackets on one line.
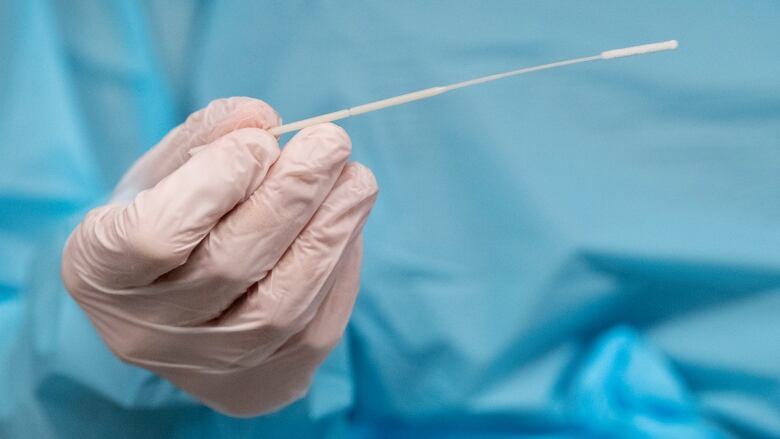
[(587, 252)]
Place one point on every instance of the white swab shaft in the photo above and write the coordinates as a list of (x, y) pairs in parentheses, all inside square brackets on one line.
[(360, 109), (433, 91), (522, 71)]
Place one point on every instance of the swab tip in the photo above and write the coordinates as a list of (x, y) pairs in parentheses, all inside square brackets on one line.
[(640, 50)]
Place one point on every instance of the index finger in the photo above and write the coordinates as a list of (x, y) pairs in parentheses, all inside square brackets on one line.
[(127, 246), (202, 127)]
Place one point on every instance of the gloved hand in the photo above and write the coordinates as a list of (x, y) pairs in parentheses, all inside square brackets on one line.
[(224, 265)]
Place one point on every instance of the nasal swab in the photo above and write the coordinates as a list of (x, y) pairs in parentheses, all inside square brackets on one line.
[(433, 91)]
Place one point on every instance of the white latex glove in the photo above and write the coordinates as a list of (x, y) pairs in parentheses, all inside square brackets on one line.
[(224, 265)]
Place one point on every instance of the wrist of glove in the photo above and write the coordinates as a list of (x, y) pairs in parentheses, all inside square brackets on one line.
[(226, 265)]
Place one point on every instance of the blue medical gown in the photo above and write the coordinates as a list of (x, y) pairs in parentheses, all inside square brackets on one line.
[(587, 252)]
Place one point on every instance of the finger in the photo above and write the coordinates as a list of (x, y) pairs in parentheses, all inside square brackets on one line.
[(242, 390), (251, 332), (289, 297), (124, 246), (248, 242), (223, 346), (220, 117), (326, 328)]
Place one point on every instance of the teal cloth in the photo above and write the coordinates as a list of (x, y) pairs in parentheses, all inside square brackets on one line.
[(587, 252)]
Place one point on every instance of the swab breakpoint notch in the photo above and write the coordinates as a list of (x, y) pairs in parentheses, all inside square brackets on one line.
[(434, 91)]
